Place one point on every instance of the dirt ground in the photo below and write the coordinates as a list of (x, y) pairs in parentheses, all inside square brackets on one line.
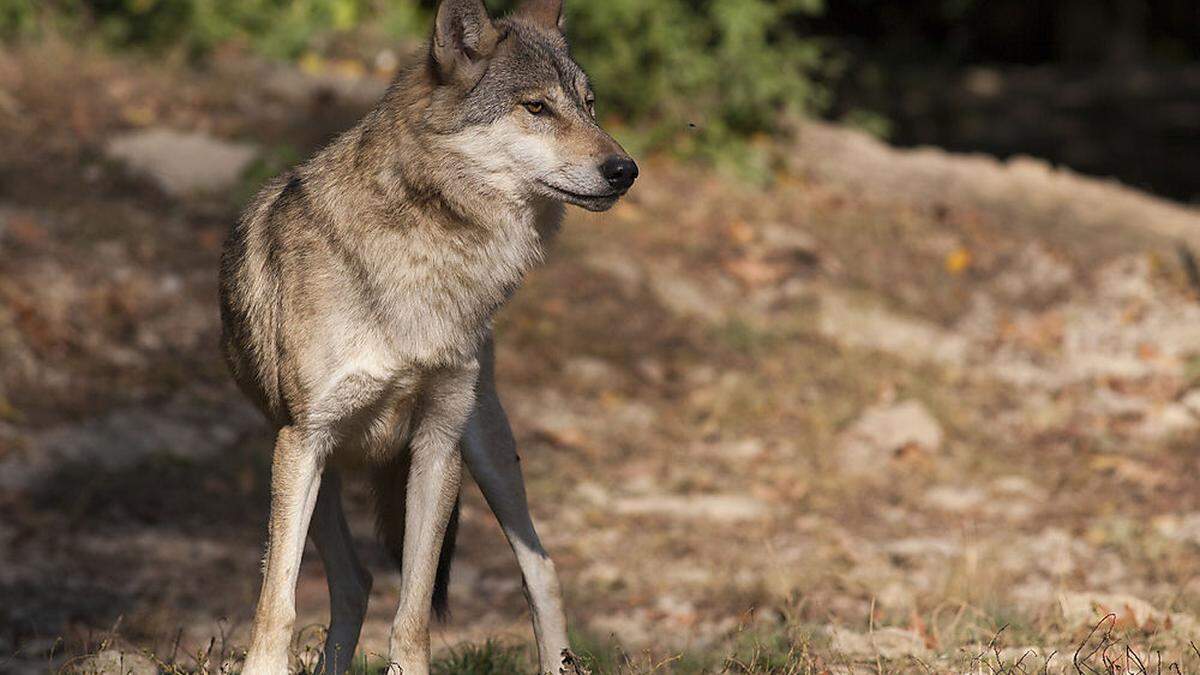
[(900, 411)]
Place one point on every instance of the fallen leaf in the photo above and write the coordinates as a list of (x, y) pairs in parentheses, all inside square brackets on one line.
[(958, 261)]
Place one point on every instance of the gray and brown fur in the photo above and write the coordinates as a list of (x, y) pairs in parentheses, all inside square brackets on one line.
[(357, 293)]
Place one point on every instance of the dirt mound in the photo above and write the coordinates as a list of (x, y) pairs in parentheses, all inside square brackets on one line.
[(1024, 187)]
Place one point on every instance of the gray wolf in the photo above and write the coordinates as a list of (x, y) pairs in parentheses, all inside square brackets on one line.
[(357, 293)]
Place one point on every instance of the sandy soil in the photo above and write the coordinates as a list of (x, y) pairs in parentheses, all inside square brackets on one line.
[(898, 411)]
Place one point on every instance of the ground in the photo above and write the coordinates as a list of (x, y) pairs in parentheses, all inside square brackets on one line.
[(896, 411)]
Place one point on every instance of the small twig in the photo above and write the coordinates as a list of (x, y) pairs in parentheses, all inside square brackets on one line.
[(175, 646), (1022, 660), (1190, 267), (1103, 643), (1129, 653), (1046, 665)]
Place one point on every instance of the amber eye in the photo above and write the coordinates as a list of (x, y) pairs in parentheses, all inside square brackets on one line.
[(535, 107)]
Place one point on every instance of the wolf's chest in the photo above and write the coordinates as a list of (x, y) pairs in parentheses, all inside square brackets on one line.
[(436, 296)]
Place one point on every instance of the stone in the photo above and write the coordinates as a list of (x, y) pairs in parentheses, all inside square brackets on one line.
[(684, 298), (592, 372), (720, 508), (1088, 609), (182, 163), (874, 327), (874, 439), (116, 662), (888, 643), (954, 499), (623, 268), (791, 240)]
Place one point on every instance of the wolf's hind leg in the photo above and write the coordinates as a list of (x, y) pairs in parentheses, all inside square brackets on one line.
[(295, 476), (349, 582), (491, 455)]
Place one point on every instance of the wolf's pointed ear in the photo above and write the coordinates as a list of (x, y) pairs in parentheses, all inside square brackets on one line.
[(544, 13), (463, 37)]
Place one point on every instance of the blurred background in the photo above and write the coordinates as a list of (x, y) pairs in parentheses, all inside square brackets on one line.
[(889, 363)]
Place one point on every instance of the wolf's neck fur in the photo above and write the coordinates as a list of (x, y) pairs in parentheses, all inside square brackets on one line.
[(405, 161), (440, 246)]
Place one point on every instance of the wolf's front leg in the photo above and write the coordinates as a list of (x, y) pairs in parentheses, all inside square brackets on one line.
[(491, 455), (433, 482), (295, 479)]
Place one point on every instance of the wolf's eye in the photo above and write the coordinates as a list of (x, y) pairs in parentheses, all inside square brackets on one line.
[(535, 107)]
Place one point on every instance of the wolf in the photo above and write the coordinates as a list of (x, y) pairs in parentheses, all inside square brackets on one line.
[(357, 295)]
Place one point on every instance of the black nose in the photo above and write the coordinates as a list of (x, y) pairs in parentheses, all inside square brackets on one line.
[(620, 171)]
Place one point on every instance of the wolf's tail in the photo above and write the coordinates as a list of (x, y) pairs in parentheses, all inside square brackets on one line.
[(390, 483)]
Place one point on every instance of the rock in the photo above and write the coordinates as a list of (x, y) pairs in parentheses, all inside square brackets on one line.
[(721, 508), (1100, 338), (1052, 552), (651, 369), (116, 662), (631, 416), (590, 371), (631, 629), (553, 417), (1016, 486), (915, 549), (1191, 401), (296, 86), (623, 268), (1035, 273), (743, 449), (889, 643), (873, 327), (1027, 189), (684, 298), (896, 596), (1183, 528), (954, 499), (1088, 609), (182, 162), (124, 437), (872, 441), (779, 238), (1167, 421), (1034, 594), (593, 493)]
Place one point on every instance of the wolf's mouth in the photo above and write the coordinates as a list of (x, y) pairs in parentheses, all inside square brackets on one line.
[(599, 202)]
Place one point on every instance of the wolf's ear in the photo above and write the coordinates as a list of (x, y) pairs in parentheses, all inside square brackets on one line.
[(544, 13), (463, 37)]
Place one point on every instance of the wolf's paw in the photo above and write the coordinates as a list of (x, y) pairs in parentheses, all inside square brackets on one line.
[(571, 665)]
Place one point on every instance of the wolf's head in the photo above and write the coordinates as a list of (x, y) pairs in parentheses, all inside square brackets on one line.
[(510, 100)]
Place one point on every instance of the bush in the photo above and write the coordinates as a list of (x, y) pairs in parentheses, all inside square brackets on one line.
[(275, 28), (698, 70), (685, 73)]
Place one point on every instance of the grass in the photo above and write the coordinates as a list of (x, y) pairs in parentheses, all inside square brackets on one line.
[(779, 651), (489, 658), (787, 649)]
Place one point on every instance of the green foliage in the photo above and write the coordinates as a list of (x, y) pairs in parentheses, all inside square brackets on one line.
[(689, 74), (698, 71), (17, 16), (276, 28)]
